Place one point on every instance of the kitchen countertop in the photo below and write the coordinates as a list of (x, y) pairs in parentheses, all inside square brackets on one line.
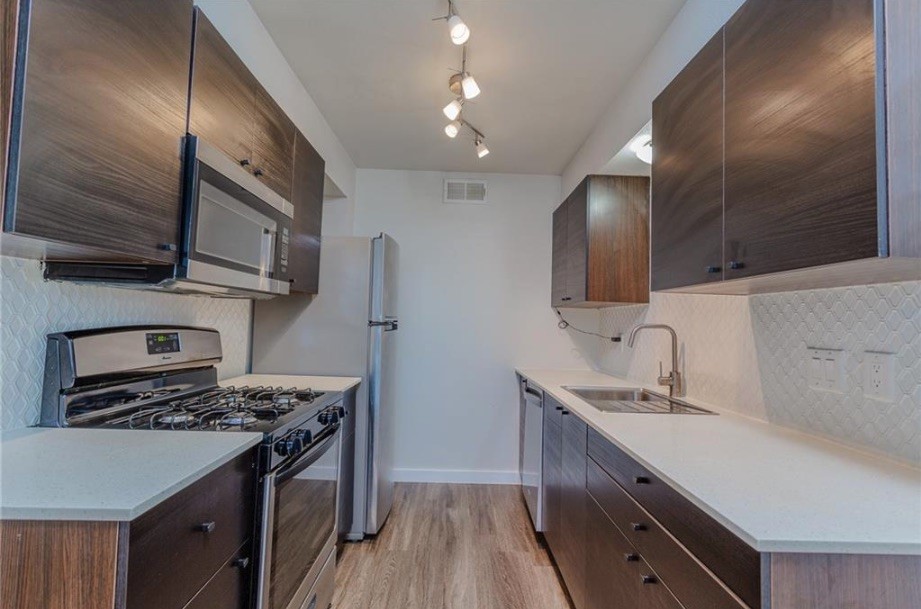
[(105, 474), (317, 383), (778, 489)]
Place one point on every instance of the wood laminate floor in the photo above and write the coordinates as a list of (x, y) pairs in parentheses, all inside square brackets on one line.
[(450, 546)]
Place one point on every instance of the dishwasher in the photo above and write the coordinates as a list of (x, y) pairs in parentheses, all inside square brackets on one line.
[(530, 457)]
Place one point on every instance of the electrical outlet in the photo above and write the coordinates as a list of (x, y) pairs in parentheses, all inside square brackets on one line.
[(877, 375), (826, 369)]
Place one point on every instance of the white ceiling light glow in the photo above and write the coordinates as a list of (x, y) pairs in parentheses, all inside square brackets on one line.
[(642, 148), (469, 86), (453, 110), (459, 31), (462, 84), (453, 128)]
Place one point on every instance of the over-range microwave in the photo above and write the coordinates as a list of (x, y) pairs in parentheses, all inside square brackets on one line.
[(236, 233)]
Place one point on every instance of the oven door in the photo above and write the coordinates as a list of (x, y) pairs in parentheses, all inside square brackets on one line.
[(298, 524), (236, 229)]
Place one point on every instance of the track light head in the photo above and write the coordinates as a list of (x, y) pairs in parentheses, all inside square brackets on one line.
[(458, 30), (469, 86), (453, 128), (453, 110), (481, 149)]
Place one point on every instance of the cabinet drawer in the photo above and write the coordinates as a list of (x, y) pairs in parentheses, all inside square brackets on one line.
[(230, 586), (736, 563), (172, 553), (696, 588)]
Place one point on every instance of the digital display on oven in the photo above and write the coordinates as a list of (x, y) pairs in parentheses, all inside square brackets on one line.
[(164, 342)]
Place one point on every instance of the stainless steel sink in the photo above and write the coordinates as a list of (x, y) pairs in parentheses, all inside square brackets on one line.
[(608, 399)]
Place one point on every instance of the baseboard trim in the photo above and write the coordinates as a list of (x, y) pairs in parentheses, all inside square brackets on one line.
[(456, 476)]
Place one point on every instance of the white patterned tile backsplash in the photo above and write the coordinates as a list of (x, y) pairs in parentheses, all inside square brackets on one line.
[(31, 308), (750, 355)]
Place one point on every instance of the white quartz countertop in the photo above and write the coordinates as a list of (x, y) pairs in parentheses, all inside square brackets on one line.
[(317, 383), (777, 489), (105, 474)]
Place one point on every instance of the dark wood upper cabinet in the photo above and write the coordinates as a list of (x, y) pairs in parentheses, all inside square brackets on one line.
[(223, 95), (801, 125), (601, 243), (801, 183), (687, 175), (98, 114), (273, 145), (230, 110), (307, 197)]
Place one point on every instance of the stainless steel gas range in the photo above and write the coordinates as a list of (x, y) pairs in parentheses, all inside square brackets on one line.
[(163, 377)]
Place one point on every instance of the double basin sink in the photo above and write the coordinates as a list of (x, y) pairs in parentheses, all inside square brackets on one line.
[(639, 401)]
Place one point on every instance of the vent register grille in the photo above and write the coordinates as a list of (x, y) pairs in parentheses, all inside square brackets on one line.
[(465, 191)]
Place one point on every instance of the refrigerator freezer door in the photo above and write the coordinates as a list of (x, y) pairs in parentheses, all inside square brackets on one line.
[(381, 427)]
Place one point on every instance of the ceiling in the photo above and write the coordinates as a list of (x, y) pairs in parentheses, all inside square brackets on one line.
[(548, 69)]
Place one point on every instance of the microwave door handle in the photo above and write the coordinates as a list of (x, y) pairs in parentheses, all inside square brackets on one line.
[(312, 456)]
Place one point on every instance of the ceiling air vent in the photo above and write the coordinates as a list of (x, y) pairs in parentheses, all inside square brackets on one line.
[(465, 191)]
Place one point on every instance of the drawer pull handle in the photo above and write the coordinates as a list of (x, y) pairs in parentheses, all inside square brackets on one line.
[(205, 527), (650, 579), (631, 557), (559, 408), (258, 173), (641, 479), (241, 563), (638, 526), (565, 412)]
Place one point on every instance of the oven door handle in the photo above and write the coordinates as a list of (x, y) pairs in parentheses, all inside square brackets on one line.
[(311, 457)]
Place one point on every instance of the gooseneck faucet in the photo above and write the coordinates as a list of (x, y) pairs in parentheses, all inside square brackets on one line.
[(673, 380)]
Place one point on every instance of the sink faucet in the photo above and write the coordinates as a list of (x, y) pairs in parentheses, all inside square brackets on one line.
[(673, 380)]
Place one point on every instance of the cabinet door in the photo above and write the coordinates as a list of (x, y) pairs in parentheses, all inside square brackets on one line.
[(307, 197), (273, 145), (577, 243), (571, 559), (558, 276), (223, 96), (101, 123), (687, 174), (800, 135), (552, 478), (612, 577)]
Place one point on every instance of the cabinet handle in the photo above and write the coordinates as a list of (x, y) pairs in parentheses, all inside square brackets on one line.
[(245, 162), (641, 480), (650, 579), (565, 412), (714, 269), (258, 173), (241, 563), (205, 527), (736, 265), (566, 298), (559, 408), (638, 526), (167, 247), (631, 557)]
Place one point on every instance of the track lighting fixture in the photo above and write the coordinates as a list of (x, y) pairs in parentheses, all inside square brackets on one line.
[(462, 84), (453, 128), (453, 110)]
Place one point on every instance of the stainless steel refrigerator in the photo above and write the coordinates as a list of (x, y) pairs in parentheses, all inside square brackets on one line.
[(349, 329)]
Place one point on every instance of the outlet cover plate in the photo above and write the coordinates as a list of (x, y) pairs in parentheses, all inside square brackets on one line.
[(878, 375)]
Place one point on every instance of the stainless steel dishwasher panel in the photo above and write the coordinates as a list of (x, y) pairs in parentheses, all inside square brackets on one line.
[(530, 461)]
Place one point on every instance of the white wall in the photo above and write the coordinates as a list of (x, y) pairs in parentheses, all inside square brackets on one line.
[(474, 288), (691, 28), (238, 23)]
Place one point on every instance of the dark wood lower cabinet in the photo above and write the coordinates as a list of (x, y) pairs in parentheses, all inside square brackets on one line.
[(571, 559), (612, 572), (552, 479), (192, 551)]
